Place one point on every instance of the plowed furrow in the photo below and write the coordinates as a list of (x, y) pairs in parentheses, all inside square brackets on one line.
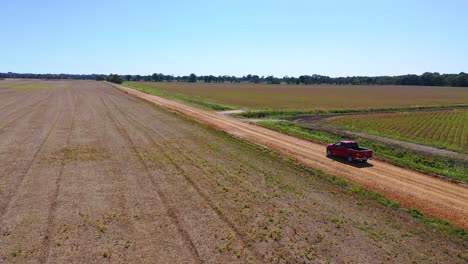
[(169, 210)]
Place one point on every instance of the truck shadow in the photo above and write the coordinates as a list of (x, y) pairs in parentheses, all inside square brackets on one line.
[(356, 164)]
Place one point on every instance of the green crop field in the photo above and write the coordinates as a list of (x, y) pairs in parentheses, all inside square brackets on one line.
[(442, 129), (307, 97)]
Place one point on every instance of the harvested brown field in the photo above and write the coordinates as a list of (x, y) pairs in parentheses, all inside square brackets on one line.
[(91, 175), (307, 97)]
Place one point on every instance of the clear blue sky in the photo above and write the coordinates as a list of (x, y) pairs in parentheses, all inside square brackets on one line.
[(336, 38)]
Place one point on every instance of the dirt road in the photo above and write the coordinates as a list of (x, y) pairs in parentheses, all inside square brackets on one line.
[(432, 196), (91, 175)]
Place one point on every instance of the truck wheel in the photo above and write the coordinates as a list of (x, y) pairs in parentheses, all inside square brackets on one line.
[(350, 158), (329, 153)]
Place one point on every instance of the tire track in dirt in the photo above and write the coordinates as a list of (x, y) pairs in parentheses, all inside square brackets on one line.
[(18, 116), (432, 196), (54, 201), (103, 141), (136, 123), (89, 129), (170, 211), (8, 137), (18, 99), (24, 174)]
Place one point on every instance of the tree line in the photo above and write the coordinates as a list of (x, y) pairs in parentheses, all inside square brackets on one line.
[(425, 79)]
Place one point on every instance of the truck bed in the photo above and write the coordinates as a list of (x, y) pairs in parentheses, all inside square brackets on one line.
[(358, 149)]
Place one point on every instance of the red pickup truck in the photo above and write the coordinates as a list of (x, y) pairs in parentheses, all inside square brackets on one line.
[(349, 150)]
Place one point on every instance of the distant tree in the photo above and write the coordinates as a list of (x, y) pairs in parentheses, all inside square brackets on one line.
[(462, 80), (426, 79), (209, 78), (272, 80), (100, 77), (155, 77), (115, 78), (192, 78), (255, 79), (438, 80)]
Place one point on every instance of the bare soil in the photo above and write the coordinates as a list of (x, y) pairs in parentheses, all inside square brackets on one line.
[(91, 175)]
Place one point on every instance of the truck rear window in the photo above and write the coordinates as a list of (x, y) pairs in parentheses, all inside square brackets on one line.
[(351, 145)]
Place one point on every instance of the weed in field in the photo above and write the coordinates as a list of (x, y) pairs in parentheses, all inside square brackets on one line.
[(339, 223), (226, 244), (463, 256), (407, 235), (16, 252), (311, 255), (223, 247), (319, 238), (83, 214), (102, 228), (373, 231), (107, 254), (78, 153), (127, 244), (276, 235)]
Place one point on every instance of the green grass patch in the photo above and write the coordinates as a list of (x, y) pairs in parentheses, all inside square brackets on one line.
[(78, 152), (291, 128), (439, 225), (395, 155), (180, 98)]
